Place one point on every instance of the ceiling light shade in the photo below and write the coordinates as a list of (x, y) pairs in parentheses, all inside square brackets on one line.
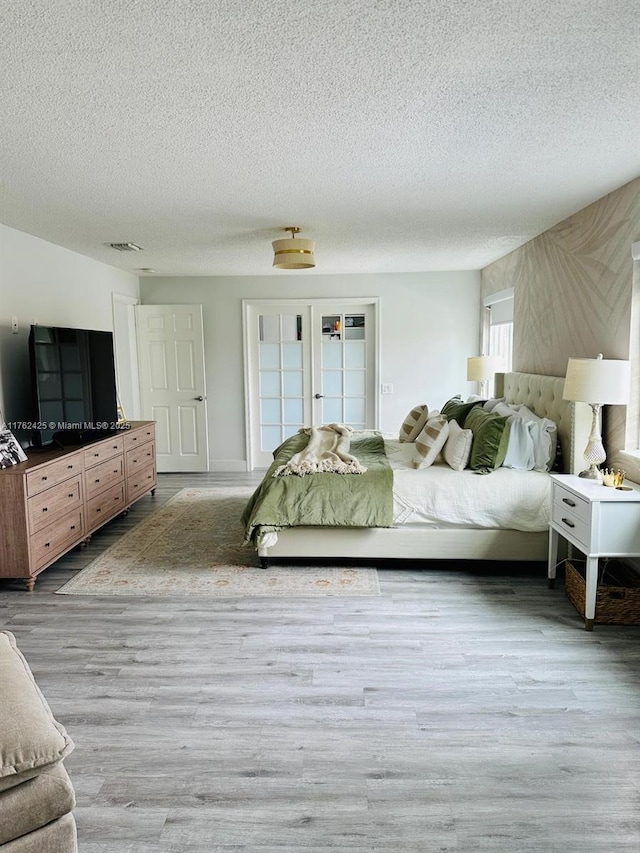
[(292, 254), (483, 367)]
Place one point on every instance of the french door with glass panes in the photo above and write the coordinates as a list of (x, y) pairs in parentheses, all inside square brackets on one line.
[(307, 363)]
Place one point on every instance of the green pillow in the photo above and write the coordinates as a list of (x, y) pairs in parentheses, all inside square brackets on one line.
[(490, 439), (455, 410)]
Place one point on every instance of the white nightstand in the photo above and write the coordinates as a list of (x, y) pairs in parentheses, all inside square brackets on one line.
[(599, 521)]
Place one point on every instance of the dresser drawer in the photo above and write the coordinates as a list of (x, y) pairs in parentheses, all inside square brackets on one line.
[(140, 457), (101, 476), (139, 436), (141, 482), (104, 506), (50, 542), (103, 450), (569, 502), (571, 525), (53, 503), (53, 473)]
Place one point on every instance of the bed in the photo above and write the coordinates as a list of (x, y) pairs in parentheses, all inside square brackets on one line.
[(441, 535)]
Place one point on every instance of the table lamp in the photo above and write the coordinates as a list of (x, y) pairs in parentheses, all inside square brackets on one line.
[(482, 368), (598, 382)]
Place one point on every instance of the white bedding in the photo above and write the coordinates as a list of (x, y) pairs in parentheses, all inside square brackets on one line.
[(438, 495)]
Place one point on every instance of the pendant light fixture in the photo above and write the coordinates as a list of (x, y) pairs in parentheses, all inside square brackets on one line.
[(292, 254)]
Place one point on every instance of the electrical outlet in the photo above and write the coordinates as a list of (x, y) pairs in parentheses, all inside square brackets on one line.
[(387, 388), (14, 325)]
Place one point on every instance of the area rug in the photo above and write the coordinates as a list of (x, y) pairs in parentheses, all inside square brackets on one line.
[(192, 546)]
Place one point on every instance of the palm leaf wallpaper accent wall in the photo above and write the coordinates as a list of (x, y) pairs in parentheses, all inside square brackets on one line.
[(577, 293)]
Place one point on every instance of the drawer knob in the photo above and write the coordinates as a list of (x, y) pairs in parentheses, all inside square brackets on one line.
[(45, 509), (71, 495), (44, 478), (96, 454), (70, 467), (567, 522), (97, 481), (568, 502), (73, 527), (47, 544), (98, 509)]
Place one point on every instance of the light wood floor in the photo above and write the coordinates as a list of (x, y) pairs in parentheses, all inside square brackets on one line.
[(462, 710)]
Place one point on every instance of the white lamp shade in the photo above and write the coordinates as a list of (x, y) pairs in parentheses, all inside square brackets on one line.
[(483, 367), (292, 254), (597, 380)]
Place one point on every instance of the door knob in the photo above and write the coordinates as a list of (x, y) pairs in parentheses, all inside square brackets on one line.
[(318, 396), (199, 398)]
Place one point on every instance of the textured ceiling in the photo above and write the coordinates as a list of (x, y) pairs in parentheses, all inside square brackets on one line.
[(401, 135)]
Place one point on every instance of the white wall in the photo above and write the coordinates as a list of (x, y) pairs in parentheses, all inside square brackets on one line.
[(429, 325), (44, 282)]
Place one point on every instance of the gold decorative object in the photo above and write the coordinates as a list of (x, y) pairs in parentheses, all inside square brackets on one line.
[(613, 479)]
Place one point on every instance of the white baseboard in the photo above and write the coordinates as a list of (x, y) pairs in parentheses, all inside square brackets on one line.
[(228, 465)]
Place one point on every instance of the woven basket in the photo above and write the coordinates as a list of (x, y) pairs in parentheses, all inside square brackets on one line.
[(618, 595)]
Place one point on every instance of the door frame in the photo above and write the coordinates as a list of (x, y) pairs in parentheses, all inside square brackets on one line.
[(126, 352), (249, 350)]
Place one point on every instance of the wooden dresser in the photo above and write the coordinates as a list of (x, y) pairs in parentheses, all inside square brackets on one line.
[(57, 498)]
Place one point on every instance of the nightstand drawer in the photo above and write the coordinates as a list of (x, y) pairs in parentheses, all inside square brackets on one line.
[(570, 524), (567, 501)]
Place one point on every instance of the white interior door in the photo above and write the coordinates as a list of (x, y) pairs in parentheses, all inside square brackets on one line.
[(172, 383), (307, 362), (344, 365)]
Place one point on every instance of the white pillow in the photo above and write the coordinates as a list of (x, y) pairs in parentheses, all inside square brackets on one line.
[(431, 441), (457, 448), (545, 436), (490, 405), (532, 440)]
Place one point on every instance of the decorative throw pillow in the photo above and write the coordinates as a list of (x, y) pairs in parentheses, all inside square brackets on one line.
[(456, 410), (520, 450), (489, 405), (431, 440), (413, 423), (544, 432), (457, 448), (538, 438), (490, 439)]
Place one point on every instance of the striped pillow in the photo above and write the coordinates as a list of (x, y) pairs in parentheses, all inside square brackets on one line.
[(431, 440), (413, 423)]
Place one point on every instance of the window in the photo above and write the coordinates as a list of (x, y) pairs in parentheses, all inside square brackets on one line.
[(497, 331)]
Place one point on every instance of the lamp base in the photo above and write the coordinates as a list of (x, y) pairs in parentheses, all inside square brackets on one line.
[(592, 473)]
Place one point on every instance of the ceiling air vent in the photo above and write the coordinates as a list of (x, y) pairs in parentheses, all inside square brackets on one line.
[(125, 247)]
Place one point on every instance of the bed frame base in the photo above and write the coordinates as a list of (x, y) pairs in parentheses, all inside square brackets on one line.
[(407, 543)]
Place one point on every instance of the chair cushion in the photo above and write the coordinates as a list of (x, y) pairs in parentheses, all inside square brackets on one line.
[(34, 803), (57, 837), (31, 739)]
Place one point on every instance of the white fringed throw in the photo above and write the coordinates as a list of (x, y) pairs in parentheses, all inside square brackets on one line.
[(327, 450)]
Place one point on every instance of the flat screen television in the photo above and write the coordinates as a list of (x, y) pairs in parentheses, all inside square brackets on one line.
[(73, 382)]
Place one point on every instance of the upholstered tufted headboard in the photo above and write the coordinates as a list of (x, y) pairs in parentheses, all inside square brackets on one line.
[(543, 395)]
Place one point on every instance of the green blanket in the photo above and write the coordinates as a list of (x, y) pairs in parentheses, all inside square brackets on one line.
[(327, 499)]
